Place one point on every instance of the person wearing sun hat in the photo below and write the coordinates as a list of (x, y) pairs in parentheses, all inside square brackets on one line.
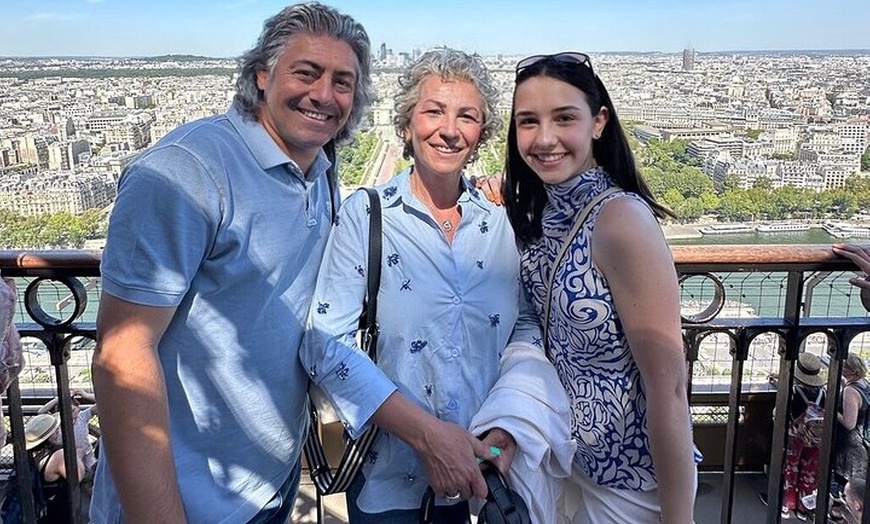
[(800, 468), (39, 429), (808, 370), (47, 457)]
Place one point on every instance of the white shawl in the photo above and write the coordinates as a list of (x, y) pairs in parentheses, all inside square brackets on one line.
[(529, 402)]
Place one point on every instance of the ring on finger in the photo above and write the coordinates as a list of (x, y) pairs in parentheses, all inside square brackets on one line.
[(453, 499)]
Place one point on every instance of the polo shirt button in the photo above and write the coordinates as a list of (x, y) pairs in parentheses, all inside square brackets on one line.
[(452, 404), (410, 479), (454, 352), (312, 222), (457, 299)]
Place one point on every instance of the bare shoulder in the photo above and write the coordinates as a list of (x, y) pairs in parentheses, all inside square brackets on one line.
[(627, 227), (55, 466)]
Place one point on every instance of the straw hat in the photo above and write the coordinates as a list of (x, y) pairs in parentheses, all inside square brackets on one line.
[(39, 429), (808, 370)]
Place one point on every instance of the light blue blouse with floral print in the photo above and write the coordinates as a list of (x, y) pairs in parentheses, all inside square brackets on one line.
[(587, 344), (446, 312)]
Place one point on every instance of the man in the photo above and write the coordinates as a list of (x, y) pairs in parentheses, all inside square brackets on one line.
[(854, 500), (212, 252)]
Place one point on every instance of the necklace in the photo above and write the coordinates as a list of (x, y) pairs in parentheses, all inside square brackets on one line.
[(443, 217)]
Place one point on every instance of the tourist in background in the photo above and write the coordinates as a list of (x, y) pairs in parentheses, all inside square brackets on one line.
[(805, 422), (614, 317), (854, 501), (850, 452), (81, 424), (42, 440), (449, 302), (212, 253)]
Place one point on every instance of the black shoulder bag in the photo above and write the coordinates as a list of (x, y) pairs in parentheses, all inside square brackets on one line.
[(355, 451), (503, 505)]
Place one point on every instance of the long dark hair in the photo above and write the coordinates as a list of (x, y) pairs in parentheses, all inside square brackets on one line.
[(524, 193)]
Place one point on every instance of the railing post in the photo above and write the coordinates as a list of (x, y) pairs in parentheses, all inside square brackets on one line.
[(59, 352), (740, 353), (57, 343), (838, 349), (788, 354), (22, 460)]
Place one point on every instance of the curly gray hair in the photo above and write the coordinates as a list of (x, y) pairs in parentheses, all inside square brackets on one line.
[(449, 64), (314, 18)]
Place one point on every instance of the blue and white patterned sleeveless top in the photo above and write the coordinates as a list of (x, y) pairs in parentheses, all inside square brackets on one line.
[(587, 344)]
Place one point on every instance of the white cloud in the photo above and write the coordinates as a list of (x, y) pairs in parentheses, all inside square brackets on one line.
[(42, 16), (47, 16)]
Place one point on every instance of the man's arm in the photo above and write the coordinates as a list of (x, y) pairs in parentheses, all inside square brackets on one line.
[(134, 412)]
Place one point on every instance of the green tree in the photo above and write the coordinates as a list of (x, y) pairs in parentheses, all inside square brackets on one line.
[(731, 182), (865, 160), (762, 182), (356, 158), (491, 155), (401, 164), (673, 199), (692, 209), (60, 230), (783, 156)]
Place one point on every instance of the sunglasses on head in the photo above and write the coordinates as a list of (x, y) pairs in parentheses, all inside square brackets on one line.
[(568, 58)]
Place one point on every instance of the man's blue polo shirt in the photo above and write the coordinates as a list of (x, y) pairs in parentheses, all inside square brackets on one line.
[(218, 222)]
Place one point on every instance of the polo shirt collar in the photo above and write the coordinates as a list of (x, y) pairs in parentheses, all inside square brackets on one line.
[(265, 150)]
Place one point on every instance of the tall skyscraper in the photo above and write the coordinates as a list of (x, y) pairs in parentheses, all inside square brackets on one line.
[(382, 55), (688, 59)]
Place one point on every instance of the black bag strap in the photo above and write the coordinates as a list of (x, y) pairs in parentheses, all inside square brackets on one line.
[(369, 317), (355, 451), (329, 149), (808, 402), (503, 505)]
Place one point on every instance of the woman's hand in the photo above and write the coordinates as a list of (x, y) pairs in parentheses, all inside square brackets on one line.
[(505, 442), (449, 459), (490, 186)]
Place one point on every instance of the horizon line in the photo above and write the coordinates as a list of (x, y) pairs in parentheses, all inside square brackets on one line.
[(856, 50)]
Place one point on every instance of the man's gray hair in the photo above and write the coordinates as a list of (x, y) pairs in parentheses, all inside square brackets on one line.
[(449, 64), (317, 19)]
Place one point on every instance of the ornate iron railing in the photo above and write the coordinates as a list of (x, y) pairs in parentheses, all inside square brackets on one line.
[(748, 310)]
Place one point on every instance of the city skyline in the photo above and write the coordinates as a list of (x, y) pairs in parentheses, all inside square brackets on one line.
[(226, 29)]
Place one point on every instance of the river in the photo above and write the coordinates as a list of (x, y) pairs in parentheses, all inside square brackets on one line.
[(811, 236)]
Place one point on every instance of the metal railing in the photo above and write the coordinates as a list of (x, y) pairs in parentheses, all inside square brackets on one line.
[(748, 310), (790, 324)]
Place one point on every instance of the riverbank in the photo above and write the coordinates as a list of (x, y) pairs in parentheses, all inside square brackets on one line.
[(683, 234), (816, 232), (682, 231)]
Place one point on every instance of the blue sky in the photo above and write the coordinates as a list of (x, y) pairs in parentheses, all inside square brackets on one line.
[(226, 28)]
